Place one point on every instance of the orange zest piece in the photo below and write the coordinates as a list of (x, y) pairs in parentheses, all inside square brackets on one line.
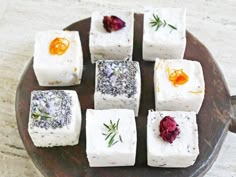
[(59, 46), (196, 92), (178, 77)]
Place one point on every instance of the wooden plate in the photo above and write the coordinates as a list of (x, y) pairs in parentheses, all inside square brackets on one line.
[(213, 119)]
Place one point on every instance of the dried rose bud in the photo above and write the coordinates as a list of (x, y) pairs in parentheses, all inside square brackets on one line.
[(112, 23), (168, 129)]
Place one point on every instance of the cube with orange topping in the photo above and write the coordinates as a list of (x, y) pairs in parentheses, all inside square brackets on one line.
[(178, 85), (58, 58)]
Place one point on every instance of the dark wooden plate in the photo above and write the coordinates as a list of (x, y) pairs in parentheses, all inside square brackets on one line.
[(213, 119)]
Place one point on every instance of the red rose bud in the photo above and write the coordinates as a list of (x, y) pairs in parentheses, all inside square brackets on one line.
[(168, 129), (112, 23)]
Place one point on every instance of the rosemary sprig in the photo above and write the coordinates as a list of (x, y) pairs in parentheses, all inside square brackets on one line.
[(38, 115), (157, 22), (112, 132), (172, 26)]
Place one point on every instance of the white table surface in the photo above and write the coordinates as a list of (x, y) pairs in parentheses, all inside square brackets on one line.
[(212, 21)]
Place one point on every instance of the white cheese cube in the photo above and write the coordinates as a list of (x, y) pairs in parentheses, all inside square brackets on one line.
[(116, 45), (117, 85), (166, 42), (173, 97), (183, 151), (58, 68), (120, 151), (54, 118)]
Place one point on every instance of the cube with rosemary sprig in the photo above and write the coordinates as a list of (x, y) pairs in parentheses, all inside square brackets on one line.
[(157, 22), (164, 33), (112, 135)]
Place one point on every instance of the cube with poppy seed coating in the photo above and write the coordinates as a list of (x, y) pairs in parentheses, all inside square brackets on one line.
[(111, 35), (54, 118), (177, 147), (58, 58), (178, 85), (117, 85)]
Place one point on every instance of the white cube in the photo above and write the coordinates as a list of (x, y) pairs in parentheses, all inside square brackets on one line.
[(117, 85), (58, 58), (54, 118), (173, 97), (116, 149), (166, 42), (183, 151), (116, 45)]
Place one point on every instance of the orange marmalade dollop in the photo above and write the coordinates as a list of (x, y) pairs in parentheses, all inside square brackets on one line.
[(59, 46), (178, 77)]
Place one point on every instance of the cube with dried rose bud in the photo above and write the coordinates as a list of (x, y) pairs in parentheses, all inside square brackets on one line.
[(111, 35), (54, 118), (117, 85), (164, 34), (111, 137), (58, 58), (166, 149), (178, 85)]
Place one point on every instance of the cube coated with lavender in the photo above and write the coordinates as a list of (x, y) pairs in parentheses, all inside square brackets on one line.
[(183, 151), (58, 58), (117, 85), (178, 85), (114, 45), (164, 34), (54, 118), (111, 137)]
